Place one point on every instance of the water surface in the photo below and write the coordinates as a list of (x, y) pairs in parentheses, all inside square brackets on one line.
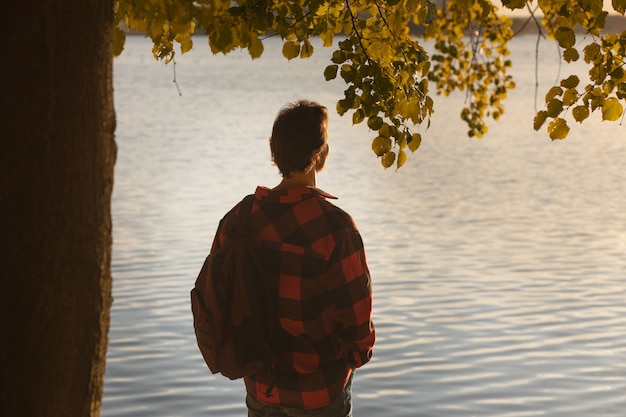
[(498, 265)]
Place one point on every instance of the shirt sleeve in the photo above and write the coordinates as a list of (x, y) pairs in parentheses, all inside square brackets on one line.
[(350, 290)]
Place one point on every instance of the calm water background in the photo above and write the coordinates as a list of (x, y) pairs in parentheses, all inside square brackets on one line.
[(498, 265)]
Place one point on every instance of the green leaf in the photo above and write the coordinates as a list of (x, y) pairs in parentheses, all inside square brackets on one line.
[(619, 6), (612, 109), (558, 129), (291, 49), (330, 73), (580, 113), (566, 37)]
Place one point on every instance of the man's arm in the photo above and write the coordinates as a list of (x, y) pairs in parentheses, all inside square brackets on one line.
[(351, 292)]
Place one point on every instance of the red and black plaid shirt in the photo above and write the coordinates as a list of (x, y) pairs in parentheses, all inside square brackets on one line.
[(314, 257)]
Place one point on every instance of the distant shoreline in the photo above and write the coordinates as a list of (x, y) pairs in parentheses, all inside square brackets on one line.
[(614, 23)]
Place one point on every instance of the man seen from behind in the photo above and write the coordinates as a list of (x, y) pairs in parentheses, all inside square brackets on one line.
[(314, 258)]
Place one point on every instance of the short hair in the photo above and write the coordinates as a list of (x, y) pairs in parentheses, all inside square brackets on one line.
[(298, 136)]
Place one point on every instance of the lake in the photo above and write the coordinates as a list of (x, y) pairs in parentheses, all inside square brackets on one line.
[(498, 265)]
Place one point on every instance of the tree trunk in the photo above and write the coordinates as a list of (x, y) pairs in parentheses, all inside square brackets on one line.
[(57, 158)]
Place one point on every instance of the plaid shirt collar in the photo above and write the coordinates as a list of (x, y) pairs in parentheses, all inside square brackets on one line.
[(291, 195)]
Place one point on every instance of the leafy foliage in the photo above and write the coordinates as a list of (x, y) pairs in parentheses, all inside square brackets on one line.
[(605, 53), (471, 43), (387, 72)]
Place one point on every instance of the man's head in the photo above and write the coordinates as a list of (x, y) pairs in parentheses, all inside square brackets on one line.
[(299, 137)]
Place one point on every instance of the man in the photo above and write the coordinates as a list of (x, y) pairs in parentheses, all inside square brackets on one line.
[(314, 259)]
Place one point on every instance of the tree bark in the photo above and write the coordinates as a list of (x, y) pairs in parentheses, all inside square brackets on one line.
[(57, 159)]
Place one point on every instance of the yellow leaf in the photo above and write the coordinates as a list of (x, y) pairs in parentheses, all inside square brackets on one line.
[(140, 25), (570, 82), (570, 97), (388, 159), (342, 107), (178, 27), (307, 49), (566, 37), (555, 107), (553, 92), (540, 119), (327, 38), (514, 4), (381, 145), (291, 49), (401, 142), (416, 140), (592, 52), (402, 157), (558, 129), (357, 116), (119, 38), (256, 46), (185, 45), (612, 109), (571, 54), (156, 29), (330, 73), (375, 122), (222, 39), (580, 113)]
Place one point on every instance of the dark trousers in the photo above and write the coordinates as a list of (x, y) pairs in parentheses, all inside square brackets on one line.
[(341, 407)]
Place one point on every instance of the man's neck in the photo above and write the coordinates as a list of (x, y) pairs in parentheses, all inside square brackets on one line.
[(297, 179)]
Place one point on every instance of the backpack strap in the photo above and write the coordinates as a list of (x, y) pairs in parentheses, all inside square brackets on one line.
[(245, 207)]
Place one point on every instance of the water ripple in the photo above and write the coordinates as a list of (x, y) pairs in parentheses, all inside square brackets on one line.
[(498, 266)]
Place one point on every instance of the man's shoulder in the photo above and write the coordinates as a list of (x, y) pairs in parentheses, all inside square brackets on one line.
[(337, 217)]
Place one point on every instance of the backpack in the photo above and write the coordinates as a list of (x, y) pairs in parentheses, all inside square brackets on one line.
[(232, 305)]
